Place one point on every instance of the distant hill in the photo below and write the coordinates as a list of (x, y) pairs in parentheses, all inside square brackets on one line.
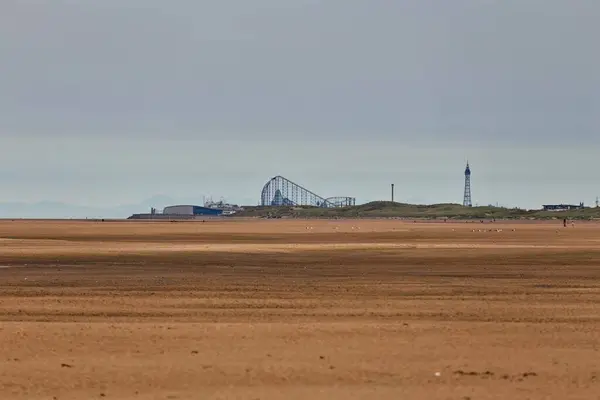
[(375, 209), (388, 209)]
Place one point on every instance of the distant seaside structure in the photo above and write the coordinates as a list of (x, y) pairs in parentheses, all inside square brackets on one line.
[(562, 207), (467, 195), (279, 191), (210, 209)]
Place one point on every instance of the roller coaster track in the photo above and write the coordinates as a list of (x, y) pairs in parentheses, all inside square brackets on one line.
[(280, 191)]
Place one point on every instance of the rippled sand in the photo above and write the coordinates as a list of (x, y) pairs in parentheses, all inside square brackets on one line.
[(299, 309)]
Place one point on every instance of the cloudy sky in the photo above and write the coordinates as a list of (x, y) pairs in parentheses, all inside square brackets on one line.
[(106, 102)]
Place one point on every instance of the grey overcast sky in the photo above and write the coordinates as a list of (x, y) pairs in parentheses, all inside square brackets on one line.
[(106, 102)]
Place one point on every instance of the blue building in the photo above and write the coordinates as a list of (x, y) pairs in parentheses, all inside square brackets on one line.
[(191, 210)]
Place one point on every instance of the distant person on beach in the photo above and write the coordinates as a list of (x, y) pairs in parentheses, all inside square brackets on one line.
[(565, 222)]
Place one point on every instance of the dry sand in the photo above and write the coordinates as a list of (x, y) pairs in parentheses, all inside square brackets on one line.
[(276, 309)]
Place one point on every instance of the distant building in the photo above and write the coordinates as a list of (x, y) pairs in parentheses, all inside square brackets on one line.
[(191, 210), (227, 208), (183, 212), (562, 207)]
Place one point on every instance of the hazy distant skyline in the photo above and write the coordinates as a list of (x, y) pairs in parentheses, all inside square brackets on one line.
[(114, 101)]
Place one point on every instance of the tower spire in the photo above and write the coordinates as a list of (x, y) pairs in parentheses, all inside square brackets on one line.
[(467, 195)]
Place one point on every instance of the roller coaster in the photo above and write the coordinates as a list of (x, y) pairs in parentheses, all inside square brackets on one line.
[(280, 191)]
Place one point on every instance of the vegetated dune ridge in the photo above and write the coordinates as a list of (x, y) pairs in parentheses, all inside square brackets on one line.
[(388, 209), (296, 309)]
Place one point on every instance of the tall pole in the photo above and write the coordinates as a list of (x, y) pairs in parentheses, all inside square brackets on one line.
[(392, 192)]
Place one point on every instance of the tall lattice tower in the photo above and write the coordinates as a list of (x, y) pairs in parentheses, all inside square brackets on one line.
[(467, 196)]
